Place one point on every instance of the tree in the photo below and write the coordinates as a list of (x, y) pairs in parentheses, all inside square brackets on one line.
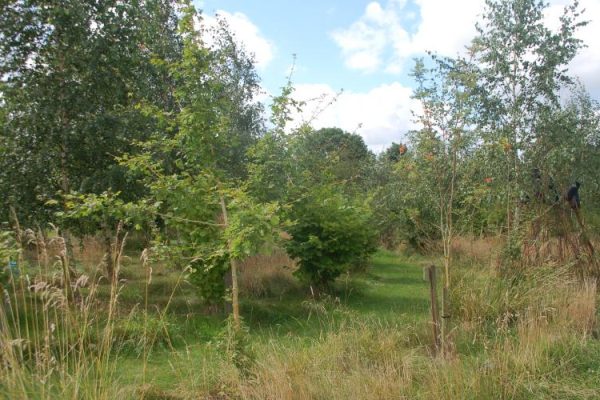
[(234, 69), (193, 164), (403, 198), (271, 170), (443, 142), (329, 232), (331, 155), (394, 152), (73, 72), (313, 175), (521, 70)]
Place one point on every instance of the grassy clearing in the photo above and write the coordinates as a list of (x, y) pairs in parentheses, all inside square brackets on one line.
[(531, 336), (390, 295)]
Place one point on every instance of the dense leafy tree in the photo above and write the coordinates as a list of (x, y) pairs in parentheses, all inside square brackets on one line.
[(331, 155), (329, 233), (73, 72)]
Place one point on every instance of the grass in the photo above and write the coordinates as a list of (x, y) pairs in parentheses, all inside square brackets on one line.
[(392, 293), (531, 336)]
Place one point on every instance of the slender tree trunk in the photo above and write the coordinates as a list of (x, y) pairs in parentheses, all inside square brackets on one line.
[(447, 237), (108, 258), (234, 268)]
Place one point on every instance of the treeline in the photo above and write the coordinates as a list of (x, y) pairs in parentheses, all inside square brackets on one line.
[(505, 131), (130, 115), (120, 116)]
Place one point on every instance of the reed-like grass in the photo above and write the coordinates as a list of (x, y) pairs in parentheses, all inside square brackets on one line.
[(56, 339), (63, 333), (529, 335)]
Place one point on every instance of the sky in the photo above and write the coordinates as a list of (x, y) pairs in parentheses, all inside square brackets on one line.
[(352, 59)]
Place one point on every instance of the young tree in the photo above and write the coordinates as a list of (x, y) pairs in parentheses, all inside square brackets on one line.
[(311, 174), (193, 168), (442, 143), (521, 70), (329, 232)]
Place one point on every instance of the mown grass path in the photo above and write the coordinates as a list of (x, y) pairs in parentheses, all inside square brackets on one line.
[(393, 287), (391, 291)]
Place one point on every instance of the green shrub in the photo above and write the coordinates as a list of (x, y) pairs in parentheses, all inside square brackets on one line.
[(208, 276), (329, 233)]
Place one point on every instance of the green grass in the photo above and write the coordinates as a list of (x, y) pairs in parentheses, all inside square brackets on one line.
[(392, 292), (392, 289), (368, 338)]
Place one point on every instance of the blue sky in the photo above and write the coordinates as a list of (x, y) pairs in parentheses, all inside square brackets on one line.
[(367, 49), (305, 28)]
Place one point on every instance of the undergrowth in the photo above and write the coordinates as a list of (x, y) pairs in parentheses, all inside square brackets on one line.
[(528, 335)]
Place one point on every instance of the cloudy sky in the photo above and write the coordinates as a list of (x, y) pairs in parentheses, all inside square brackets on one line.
[(365, 50)]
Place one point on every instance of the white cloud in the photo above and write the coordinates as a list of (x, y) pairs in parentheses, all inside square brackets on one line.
[(446, 26), (363, 44), (380, 40), (247, 34), (585, 65), (380, 116)]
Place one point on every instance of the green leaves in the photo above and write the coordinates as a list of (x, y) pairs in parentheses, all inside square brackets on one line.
[(329, 233), (86, 214), (78, 69), (252, 226)]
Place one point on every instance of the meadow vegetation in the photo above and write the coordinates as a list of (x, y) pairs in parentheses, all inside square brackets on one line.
[(162, 240)]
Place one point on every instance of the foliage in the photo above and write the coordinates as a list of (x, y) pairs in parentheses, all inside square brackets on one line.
[(70, 85), (142, 332), (86, 214), (404, 205), (193, 164), (235, 344), (338, 156), (328, 233), (9, 251), (271, 168), (521, 67), (207, 274)]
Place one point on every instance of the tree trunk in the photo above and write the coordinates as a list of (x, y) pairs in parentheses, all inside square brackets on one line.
[(235, 306)]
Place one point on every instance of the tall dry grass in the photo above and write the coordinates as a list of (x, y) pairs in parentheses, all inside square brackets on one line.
[(479, 250), (56, 339), (267, 275), (519, 337), (59, 339), (523, 342), (521, 355), (515, 337)]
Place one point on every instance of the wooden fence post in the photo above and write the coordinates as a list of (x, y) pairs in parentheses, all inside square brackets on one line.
[(432, 274)]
